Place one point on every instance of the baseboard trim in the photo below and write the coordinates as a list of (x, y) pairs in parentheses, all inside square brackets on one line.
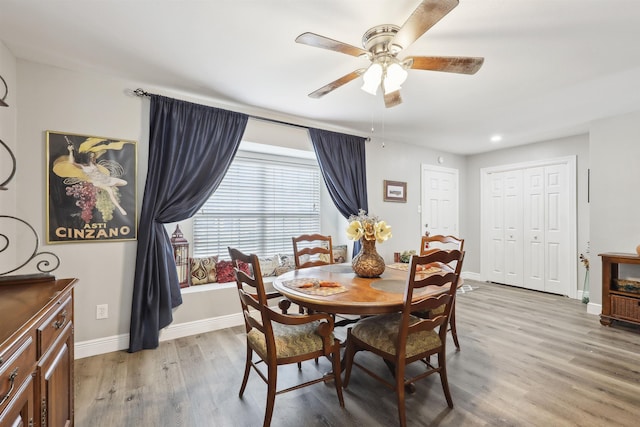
[(471, 276), (594, 308), (121, 342)]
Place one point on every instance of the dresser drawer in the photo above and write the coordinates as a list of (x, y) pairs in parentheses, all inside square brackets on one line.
[(17, 365), (54, 324)]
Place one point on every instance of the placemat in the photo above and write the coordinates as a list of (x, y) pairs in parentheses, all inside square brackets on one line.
[(399, 266), (405, 267), (315, 286)]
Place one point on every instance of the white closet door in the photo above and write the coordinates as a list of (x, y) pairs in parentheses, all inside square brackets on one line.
[(557, 230), (534, 228), (529, 225), (494, 246), (513, 243)]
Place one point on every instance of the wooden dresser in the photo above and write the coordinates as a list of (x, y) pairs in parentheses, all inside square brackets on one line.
[(620, 297), (36, 351)]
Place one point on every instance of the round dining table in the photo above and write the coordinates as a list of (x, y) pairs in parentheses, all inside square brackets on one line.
[(349, 293)]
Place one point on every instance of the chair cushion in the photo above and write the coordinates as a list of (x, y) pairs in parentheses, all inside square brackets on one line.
[(381, 332), (438, 310), (291, 340)]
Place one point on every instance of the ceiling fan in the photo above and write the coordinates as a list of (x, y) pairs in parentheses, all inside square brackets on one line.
[(383, 43)]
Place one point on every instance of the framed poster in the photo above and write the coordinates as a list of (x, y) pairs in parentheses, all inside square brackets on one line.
[(395, 191), (91, 188)]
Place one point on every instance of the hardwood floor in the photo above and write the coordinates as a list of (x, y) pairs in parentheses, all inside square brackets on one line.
[(527, 359)]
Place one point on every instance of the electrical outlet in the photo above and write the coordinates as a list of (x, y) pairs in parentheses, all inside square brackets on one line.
[(102, 311)]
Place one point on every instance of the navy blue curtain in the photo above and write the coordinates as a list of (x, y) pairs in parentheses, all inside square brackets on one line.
[(190, 149), (344, 169)]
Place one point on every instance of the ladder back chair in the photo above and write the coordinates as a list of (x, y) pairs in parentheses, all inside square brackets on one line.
[(279, 339), (310, 250), (435, 242), (402, 338)]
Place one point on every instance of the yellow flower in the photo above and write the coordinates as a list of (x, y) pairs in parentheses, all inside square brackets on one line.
[(368, 227), (383, 231), (355, 231), (369, 231)]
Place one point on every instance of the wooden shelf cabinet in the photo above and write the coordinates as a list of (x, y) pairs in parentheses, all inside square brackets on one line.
[(618, 304), (36, 352)]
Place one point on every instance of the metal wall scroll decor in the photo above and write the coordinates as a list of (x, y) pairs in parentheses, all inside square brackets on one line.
[(6, 92), (12, 172), (45, 262)]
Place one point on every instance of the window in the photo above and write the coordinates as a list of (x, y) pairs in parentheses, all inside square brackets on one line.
[(261, 203)]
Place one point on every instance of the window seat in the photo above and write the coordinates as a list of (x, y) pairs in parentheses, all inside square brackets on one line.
[(212, 287)]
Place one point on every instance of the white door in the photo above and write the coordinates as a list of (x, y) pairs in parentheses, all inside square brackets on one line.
[(439, 204), (504, 228), (513, 227), (557, 230), (494, 245), (530, 242), (534, 228)]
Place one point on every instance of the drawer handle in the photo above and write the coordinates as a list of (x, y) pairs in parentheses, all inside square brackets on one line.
[(58, 323), (12, 380)]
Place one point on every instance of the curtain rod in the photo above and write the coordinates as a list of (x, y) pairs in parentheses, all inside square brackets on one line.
[(142, 92)]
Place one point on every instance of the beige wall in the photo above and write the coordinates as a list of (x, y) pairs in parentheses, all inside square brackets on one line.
[(50, 98), (571, 146), (615, 203), (8, 123), (57, 99)]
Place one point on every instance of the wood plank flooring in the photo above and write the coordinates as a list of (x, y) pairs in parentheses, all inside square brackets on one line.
[(527, 359)]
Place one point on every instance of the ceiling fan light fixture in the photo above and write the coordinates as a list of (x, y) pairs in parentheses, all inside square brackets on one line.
[(371, 78), (394, 76)]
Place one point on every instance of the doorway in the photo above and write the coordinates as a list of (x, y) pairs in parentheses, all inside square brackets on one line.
[(439, 200)]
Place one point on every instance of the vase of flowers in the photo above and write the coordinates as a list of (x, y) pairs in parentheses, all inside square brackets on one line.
[(368, 229)]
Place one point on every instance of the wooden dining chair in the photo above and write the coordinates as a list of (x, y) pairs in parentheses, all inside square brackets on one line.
[(402, 338), (279, 339), (440, 242), (310, 250)]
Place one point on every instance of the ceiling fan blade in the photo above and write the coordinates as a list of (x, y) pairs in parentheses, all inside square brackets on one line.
[(392, 99), (323, 42), (337, 83), (448, 64), (426, 15)]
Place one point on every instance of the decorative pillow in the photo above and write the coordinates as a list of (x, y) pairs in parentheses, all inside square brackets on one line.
[(203, 270), (268, 265), (340, 253), (226, 273), (305, 258), (287, 261), (281, 270)]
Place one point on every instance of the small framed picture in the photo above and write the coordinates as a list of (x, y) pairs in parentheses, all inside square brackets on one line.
[(395, 191)]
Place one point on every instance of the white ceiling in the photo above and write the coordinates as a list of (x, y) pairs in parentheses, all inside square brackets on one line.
[(551, 66)]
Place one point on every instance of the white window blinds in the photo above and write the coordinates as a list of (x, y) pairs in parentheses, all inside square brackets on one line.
[(259, 206)]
